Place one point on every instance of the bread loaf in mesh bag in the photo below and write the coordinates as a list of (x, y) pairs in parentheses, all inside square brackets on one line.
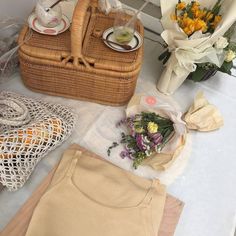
[(23, 146)]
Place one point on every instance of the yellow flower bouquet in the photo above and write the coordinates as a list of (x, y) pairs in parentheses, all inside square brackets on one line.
[(196, 35)]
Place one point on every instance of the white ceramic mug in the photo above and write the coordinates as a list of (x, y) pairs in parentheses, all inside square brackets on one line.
[(48, 17)]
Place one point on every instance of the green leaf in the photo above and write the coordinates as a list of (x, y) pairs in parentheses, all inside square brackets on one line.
[(167, 58), (229, 33), (188, 9), (226, 67), (198, 74), (232, 46), (216, 9), (163, 55)]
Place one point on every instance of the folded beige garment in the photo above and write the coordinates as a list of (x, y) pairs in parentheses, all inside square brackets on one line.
[(91, 197), (202, 115)]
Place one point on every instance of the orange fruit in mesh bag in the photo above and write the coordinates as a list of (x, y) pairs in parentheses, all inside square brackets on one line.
[(37, 136)]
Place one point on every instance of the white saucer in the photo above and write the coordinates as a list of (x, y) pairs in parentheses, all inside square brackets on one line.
[(35, 25), (135, 43)]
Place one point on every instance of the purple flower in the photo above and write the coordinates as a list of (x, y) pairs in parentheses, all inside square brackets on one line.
[(156, 138), (131, 124), (132, 117), (130, 157), (140, 142), (124, 154), (152, 145), (127, 153)]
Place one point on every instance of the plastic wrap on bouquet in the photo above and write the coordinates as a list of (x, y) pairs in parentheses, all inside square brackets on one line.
[(187, 52), (142, 103)]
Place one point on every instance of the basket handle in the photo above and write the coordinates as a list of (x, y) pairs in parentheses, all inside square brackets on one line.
[(77, 32)]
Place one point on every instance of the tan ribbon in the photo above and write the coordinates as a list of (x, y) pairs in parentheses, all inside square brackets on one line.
[(202, 115)]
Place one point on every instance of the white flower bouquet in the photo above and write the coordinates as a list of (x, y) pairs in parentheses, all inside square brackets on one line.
[(198, 38)]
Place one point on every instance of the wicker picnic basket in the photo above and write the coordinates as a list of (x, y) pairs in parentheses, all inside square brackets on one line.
[(77, 64)]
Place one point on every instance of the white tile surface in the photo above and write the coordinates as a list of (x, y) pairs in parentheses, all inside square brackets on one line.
[(207, 185)]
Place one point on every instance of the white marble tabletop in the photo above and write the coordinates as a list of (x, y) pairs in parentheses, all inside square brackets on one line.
[(207, 185)]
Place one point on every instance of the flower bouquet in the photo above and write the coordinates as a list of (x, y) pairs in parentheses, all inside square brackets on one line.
[(226, 49), (149, 133), (197, 35), (151, 130)]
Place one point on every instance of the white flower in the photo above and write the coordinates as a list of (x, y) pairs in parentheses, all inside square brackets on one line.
[(221, 43), (230, 55), (148, 153)]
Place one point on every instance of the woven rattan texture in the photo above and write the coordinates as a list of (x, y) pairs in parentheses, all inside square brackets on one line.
[(22, 147), (59, 43), (108, 89), (95, 48), (79, 61)]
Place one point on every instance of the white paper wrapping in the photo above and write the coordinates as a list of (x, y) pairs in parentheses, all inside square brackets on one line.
[(188, 51), (104, 131), (107, 6)]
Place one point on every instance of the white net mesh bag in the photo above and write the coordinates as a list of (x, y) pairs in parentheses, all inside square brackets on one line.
[(29, 129)]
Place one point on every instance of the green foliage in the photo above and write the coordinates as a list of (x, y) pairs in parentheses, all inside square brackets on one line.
[(188, 10), (216, 9), (198, 74), (114, 144), (164, 57), (139, 157), (229, 33), (232, 46), (226, 67), (165, 126)]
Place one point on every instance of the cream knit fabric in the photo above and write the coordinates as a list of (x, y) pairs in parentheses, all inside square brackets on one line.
[(91, 197)]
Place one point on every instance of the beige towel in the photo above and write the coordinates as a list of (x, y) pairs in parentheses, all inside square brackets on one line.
[(202, 115)]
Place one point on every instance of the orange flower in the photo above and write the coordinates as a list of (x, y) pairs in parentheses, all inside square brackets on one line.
[(216, 21), (180, 6), (193, 18), (199, 13), (195, 7), (200, 25), (186, 21), (209, 16), (196, 14), (188, 30), (202, 14), (187, 24)]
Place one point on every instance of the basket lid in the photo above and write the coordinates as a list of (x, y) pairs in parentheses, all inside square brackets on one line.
[(94, 49)]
